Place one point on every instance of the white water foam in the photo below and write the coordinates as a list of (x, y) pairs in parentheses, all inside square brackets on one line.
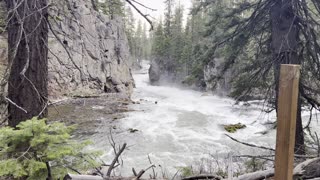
[(178, 127)]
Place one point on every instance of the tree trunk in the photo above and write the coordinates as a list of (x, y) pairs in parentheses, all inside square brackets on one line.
[(285, 38), (28, 57), (95, 5)]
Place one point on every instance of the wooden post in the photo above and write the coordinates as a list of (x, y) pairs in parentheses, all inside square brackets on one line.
[(286, 121)]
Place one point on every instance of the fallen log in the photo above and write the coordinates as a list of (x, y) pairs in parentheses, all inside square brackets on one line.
[(81, 177), (90, 177), (309, 169), (256, 175), (306, 170), (203, 176)]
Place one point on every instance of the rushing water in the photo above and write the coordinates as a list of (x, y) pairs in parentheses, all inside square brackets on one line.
[(178, 127)]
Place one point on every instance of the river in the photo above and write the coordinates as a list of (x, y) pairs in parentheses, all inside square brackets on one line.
[(180, 127)]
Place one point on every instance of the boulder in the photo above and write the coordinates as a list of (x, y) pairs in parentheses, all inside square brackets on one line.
[(154, 73), (211, 72)]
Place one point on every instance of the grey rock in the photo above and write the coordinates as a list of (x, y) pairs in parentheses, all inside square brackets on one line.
[(154, 73), (211, 71), (89, 52)]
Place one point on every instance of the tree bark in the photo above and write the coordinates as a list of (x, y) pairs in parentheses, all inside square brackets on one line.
[(28, 57), (95, 5), (285, 38)]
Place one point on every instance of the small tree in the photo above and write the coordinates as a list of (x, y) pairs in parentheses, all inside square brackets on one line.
[(35, 150)]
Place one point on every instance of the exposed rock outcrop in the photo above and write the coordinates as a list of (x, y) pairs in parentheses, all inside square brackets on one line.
[(154, 73), (89, 52), (211, 71)]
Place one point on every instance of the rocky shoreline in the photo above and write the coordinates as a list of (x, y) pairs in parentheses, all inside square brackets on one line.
[(89, 113)]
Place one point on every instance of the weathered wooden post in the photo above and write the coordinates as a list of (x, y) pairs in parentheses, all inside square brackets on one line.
[(286, 121)]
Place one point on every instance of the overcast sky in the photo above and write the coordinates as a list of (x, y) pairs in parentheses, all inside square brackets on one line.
[(159, 5)]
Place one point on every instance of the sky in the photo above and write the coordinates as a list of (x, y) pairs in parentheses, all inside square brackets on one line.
[(159, 5)]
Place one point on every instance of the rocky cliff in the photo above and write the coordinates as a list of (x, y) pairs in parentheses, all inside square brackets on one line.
[(211, 71), (89, 52)]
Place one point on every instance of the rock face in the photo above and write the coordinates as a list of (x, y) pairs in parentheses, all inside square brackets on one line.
[(154, 73), (89, 52), (211, 71)]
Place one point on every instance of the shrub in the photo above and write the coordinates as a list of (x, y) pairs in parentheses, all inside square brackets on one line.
[(35, 149)]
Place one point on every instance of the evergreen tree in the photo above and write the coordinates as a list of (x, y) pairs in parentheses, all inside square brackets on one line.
[(112, 7), (259, 36), (144, 40), (193, 50), (158, 50), (187, 49), (168, 17), (139, 41), (50, 151), (177, 39), (130, 31)]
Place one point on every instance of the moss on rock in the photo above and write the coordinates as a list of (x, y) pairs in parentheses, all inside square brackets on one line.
[(232, 128)]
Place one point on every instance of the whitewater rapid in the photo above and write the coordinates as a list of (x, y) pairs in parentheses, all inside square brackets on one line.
[(178, 127)]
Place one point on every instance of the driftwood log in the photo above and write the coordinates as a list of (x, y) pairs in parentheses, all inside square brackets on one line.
[(81, 177), (309, 169), (89, 177), (203, 176), (256, 175), (306, 170)]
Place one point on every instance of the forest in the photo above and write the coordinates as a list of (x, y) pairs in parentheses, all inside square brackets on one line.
[(159, 89)]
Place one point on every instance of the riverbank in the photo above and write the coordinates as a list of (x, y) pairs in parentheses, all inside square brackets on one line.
[(89, 114)]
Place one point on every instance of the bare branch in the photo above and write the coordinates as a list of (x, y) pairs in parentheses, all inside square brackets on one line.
[(13, 103), (143, 5), (112, 165), (143, 15)]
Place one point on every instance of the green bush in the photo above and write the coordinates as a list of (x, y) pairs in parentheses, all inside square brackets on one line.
[(33, 145)]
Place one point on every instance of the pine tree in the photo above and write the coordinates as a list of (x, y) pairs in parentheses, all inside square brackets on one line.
[(187, 49), (193, 50), (28, 55), (259, 36), (138, 40), (158, 50), (177, 40), (130, 31), (48, 154), (144, 40), (168, 17), (112, 7)]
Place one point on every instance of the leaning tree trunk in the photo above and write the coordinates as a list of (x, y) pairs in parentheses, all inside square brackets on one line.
[(28, 57), (285, 38)]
